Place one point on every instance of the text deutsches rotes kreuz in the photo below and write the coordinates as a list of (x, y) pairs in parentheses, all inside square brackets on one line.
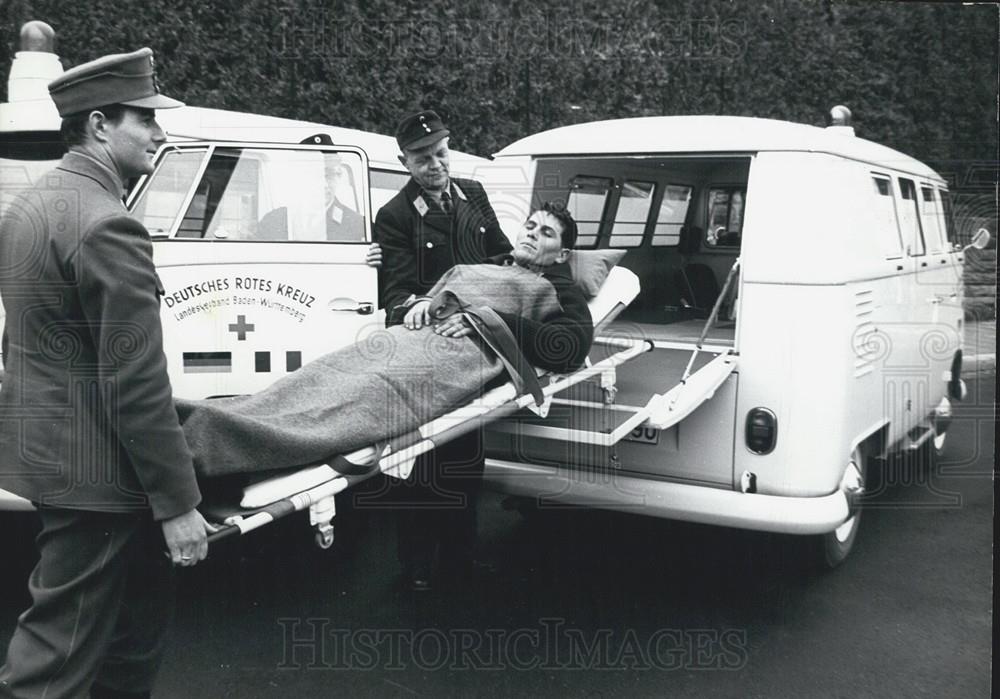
[(239, 291)]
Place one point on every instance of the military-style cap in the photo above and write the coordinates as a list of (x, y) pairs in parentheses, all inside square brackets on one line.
[(420, 130), (121, 78)]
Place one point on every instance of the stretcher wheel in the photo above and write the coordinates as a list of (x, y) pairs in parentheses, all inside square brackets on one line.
[(324, 537)]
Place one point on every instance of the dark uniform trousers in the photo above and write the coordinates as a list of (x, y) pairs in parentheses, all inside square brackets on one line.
[(91, 562), (437, 504)]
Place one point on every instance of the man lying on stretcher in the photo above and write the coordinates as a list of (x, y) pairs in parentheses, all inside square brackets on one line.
[(519, 311)]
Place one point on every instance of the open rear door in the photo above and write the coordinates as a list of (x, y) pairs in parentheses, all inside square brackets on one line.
[(260, 250), (645, 398)]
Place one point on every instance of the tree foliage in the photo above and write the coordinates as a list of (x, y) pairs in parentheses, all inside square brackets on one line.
[(920, 77)]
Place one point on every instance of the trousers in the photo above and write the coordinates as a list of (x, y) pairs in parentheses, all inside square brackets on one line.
[(436, 507), (102, 602)]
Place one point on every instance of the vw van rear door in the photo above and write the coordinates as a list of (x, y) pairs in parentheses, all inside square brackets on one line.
[(260, 252)]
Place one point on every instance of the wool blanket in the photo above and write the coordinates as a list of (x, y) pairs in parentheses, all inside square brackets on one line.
[(384, 386)]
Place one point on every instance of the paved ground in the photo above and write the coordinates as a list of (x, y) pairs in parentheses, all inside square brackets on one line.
[(601, 604), (980, 347)]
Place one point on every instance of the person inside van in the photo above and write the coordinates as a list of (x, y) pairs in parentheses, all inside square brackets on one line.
[(343, 222), (517, 311)]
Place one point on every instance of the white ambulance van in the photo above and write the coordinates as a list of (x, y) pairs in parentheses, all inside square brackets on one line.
[(260, 227), (802, 288)]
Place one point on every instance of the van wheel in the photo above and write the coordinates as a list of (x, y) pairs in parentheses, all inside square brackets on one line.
[(834, 547)]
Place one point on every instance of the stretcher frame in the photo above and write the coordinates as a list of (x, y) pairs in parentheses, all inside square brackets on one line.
[(315, 487)]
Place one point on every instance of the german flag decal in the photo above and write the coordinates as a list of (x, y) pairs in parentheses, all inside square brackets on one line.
[(208, 362)]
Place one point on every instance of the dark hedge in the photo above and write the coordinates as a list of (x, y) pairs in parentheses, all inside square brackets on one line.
[(919, 77)]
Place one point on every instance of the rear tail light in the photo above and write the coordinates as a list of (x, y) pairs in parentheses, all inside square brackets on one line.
[(762, 431)]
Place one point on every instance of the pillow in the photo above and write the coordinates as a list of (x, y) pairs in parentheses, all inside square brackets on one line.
[(591, 267)]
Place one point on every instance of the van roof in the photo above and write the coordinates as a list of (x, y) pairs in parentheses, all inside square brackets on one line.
[(202, 123), (709, 134)]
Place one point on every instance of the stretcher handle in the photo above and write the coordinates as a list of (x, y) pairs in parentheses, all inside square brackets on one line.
[(224, 532)]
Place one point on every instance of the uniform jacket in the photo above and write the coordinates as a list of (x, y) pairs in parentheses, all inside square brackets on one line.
[(86, 413), (420, 243)]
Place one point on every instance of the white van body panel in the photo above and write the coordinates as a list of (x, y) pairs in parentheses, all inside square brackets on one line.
[(708, 134), (847, 317)]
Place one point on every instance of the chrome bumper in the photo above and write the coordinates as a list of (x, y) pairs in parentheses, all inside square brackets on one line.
[(691, 503)]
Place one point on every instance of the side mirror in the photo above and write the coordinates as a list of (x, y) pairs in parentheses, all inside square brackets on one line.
[(979, 241)]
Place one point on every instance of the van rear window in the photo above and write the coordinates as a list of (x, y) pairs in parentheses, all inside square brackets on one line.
[(673, 211), (634, 204), (587, 199)]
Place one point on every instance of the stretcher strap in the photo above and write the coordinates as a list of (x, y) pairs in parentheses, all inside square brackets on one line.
[(497, 336), (344, 467)]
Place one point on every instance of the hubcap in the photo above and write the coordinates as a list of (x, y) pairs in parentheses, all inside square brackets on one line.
[(852, 484)]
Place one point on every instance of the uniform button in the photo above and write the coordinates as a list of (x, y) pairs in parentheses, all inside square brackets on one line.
[(430, 244), (482, 229)]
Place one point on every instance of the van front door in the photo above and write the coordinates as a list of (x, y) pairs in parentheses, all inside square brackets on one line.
[(260, 251)]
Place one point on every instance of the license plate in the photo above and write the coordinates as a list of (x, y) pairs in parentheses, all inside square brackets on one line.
[(644, 435)]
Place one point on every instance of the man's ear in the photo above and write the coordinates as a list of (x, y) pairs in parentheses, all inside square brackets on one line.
[(98, 125), (402, 160), (563, 255)]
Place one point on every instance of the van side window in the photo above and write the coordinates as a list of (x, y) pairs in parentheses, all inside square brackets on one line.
[(167, 190), (385, 184), (262, 194), (588, 197), (931, 220), (634, 203), (885, 212), (673, 211), (949, 217), (725, 217), (909, 218)]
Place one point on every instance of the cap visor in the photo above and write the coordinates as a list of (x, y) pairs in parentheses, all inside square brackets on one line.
[(154, 102), (428, 140)]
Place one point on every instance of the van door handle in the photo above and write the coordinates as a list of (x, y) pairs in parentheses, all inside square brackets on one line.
[(346, 305), (935, 300)]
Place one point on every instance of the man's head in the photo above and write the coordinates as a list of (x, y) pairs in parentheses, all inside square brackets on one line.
[(423, 144), (107, 106), (337, 180), (546, 238)]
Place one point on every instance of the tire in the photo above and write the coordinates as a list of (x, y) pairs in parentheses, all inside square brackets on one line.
[(833, 548)]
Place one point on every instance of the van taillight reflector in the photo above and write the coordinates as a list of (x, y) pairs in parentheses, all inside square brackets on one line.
[(762, 431)]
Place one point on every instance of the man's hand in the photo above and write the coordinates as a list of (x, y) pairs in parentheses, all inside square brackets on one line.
[(453, 326), (418, 316), (374, 256), (187, 537)]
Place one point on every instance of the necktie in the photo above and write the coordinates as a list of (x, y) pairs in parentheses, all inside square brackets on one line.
[(446, 202)]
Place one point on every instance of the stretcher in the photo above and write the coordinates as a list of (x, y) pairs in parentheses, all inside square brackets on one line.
[(314, 488)]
